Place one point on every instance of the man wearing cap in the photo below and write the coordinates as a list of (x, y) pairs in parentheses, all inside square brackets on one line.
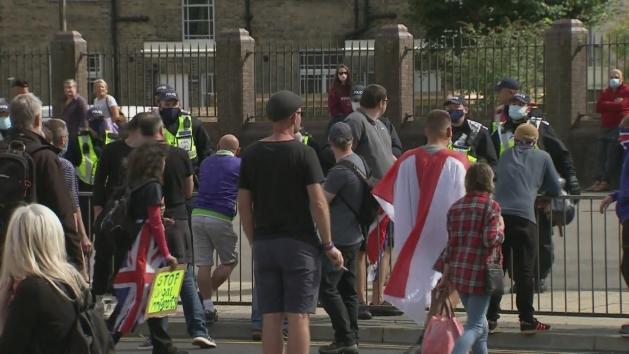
[(505, 89), (344, 190), (279, 196), (183, 130), (5, 120), (522, 172), (519, 112), (468, 136), (158, 91)]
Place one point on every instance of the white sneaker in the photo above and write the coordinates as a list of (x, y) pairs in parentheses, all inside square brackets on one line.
[(204, 342)]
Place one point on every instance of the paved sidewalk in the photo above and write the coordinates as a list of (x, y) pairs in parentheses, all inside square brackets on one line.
[(579, 334)]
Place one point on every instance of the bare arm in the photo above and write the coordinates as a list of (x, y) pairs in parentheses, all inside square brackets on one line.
[(245, 209)]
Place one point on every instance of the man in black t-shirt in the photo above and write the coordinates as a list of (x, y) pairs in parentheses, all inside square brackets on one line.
[(279, 196)]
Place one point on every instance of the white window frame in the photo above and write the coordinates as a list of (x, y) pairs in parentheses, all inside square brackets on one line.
[(322, 72), (211, 22)]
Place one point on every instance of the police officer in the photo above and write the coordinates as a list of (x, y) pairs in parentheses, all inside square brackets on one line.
[(183, 130), (505, 89), (518, 112), (468, 136), (90, 142), (158, 91)]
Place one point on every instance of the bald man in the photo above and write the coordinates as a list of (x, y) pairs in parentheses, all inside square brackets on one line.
[(212, 216)]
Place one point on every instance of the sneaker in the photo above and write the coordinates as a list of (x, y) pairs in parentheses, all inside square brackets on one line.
[(211, 317), (335, 348), (624, 331), (146, 345), (384, 309), (204, 342), (363, 312), (256, 335), (285, 333), (493, 325), (533, 327)]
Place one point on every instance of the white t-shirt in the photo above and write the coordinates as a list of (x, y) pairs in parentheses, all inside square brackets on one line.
[(104, 105)]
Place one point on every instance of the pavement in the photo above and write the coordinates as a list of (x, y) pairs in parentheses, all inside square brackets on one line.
[(568, 334)]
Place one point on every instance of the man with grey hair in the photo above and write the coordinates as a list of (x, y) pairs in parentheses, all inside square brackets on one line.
[(48, 184), (344, 189)]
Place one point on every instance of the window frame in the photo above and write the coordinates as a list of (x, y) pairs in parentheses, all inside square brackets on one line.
[(185, 21)]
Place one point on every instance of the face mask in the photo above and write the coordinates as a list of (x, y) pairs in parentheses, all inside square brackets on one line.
[(518, 113), (623, 138), (614, 83), (5, 123), (355, 106), (456, 115), (169, 115)]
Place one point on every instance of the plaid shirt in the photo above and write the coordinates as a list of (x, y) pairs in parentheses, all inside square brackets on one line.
[(473, 241)]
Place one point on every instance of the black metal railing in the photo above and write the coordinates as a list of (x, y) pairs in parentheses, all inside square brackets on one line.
[(603, 54), (32, 65)]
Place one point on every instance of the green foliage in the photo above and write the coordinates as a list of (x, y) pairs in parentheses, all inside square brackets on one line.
[(446, 17)]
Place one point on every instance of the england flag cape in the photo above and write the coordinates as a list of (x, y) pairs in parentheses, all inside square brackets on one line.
[(416, 193)]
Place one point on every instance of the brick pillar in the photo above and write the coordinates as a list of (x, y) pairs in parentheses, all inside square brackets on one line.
[(234, 79), (394, 70), (68, 61), (565, 68)]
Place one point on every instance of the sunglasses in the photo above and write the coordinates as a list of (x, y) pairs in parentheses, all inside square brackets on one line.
[(342, 72)]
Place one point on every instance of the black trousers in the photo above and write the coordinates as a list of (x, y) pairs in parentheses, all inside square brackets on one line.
[(338, 296), (520, 249), (624, 265), (546, 247)]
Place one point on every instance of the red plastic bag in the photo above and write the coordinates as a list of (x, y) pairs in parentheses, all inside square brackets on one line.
[(442, 328)]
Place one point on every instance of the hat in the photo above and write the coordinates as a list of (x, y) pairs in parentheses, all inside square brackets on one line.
[(161, 88), (340, 131), (168, 94), (526, 132), (521, 97), (357, 92), (458, 100), (95, 113), (4, 106), (507, 83), (282, 105)]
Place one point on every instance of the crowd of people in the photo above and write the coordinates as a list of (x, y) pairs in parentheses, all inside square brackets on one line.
[(319, 217)]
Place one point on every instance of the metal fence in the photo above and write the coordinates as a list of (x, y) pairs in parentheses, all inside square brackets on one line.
[(585, 278), (308, 69), (603, 54), (32, 65), (189, 68), (472, 68)]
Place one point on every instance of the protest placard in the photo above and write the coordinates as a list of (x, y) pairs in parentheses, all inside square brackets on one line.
[(164, 293)]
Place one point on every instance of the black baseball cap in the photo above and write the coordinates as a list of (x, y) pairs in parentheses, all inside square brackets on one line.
[(168, 94), (161, 88), (521, 97), (458, 100), (340, 131), (282, 105), (507, 83), (95, 113), (357, 92)]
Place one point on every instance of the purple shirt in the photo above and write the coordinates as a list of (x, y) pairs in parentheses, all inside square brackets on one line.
[(218, 183)]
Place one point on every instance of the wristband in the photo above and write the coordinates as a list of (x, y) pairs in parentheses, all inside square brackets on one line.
[(328, 246)]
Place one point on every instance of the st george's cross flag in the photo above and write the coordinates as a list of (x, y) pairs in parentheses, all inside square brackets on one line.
[(416, 193)]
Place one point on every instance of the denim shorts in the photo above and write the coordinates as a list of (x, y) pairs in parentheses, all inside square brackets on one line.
[(287, 274)]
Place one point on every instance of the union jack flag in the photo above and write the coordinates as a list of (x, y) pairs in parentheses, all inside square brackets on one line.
[(376, 235), (623, 137), (133, 281)]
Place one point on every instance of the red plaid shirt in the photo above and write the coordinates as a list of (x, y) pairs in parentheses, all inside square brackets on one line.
[(473, 240)]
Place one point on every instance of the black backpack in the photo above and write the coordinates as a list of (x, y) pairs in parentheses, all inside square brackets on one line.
[(17, 176), (368, 210), (115, 219), (89, 335)]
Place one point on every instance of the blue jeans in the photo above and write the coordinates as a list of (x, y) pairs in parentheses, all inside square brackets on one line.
[(476, 329), (256, 316), (192, 307)]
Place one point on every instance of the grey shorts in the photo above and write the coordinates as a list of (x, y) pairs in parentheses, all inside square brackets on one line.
[(211, 234), (287, 275)]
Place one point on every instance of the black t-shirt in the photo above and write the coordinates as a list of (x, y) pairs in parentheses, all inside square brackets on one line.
[(277, 174), (178, 169), (145, 196), (110, 173)]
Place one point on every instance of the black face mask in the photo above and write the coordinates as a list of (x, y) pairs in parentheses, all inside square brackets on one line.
[(169, 115)]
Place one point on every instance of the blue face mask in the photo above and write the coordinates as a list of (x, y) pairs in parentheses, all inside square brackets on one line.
[(517, 113), (614, 83), (456, 115), (5, 123)]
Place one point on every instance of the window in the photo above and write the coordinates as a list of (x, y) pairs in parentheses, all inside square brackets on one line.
[(317, 68), (198, 19)]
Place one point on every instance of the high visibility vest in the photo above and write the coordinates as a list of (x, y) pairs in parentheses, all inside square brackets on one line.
[(110, 137), (87, 169), (183, 139), (463, 143), (467, 151)]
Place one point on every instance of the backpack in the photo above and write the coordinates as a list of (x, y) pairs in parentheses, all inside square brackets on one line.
[(17, 176), (89, 335), (115, 218), (369, 206)]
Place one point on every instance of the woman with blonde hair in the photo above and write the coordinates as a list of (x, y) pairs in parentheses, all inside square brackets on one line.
[(108, 105), (38, 286)]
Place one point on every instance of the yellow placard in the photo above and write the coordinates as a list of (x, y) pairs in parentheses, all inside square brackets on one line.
[(164, 293)]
